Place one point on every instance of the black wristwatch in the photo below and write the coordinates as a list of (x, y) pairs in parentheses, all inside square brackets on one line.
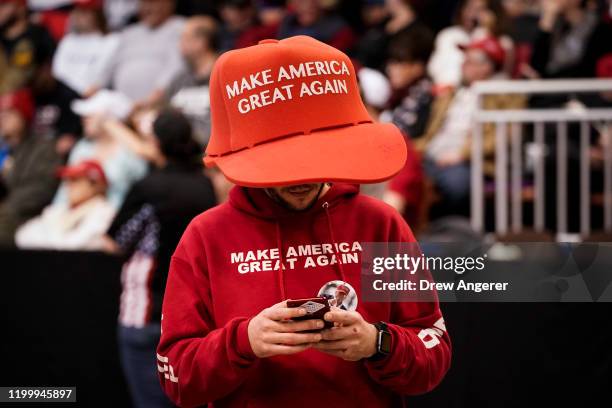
[(383, 342)]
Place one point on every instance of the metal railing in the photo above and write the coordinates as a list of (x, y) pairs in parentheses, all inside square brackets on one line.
[(508, 202)]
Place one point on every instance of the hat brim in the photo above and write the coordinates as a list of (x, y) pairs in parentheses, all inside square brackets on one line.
[(75, 172), (364, 153)]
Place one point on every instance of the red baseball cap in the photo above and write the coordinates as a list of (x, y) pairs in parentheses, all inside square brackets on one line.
[(90, 169), (289, 112), (21, 101), (490, 46)]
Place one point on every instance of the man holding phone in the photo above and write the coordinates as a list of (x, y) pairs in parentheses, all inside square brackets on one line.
[(292, 228)]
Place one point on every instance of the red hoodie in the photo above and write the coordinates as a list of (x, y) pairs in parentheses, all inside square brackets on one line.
[(225, 271)]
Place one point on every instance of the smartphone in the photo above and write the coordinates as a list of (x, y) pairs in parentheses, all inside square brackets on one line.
[(315, 309)]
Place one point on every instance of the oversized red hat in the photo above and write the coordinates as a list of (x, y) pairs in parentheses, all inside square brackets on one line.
[(491, 47), (290, 112), (89, 169), (21, 101)]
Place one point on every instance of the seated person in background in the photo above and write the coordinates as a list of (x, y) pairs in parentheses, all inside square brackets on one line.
[(136, 134), (54, 118), (404, 192), (25, 48), (446, 143), (412, 89), (396, 17), (375, 92), (271, 12), (27, 169), (189, 90), (241, 26), (147, 230), (83, 52), (119, 13), (309, 18), (564, 39), (147, 57), (122, 165), (475, 20), (83, 223)]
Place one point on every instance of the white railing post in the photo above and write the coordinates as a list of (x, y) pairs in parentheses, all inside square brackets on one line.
[(561, 177), (585, 180), (477, 177), (517, 179), (501, 179), (516, 118), (539, 170)]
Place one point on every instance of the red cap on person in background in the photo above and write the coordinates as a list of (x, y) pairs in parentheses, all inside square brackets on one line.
[(89, 4), (20, 101), (603, 68), (89, 169), (490, 46)]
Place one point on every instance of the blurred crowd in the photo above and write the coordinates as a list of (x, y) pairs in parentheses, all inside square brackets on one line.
[(82, 83), (105, 110)]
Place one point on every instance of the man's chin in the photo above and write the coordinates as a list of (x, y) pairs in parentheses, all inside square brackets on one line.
[(302, 205), (297, 204), (296, 198)]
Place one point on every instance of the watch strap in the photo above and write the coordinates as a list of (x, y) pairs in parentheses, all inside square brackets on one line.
[(383, 330)]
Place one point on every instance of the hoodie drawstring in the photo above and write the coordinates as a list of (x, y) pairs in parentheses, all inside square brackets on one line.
[(281, 269), (279, 246), (325, 206)]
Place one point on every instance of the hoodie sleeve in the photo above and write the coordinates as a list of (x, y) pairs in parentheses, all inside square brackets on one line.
[(198, 362), (421, 347)]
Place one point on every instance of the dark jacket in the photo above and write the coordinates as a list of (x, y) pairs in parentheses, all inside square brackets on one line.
[(30, 184), (148, 227)]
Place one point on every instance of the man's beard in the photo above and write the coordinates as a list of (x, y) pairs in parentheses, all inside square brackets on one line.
[(282, 202)]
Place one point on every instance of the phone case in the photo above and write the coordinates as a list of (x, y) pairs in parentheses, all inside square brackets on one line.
[(315, 309)]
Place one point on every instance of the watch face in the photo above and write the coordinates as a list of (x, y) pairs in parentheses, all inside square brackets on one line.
[(385, 342)]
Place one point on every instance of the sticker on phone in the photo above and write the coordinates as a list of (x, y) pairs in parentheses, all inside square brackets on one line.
[(339, 294), (312, 307)]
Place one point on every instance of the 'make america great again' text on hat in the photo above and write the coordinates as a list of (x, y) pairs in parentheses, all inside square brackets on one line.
[(290, 112)]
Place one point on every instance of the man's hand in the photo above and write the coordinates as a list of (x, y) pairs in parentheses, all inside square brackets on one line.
[(272, 332), (351, 339)]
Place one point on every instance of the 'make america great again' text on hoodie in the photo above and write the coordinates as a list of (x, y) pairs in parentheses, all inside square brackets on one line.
[(226, 270)]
